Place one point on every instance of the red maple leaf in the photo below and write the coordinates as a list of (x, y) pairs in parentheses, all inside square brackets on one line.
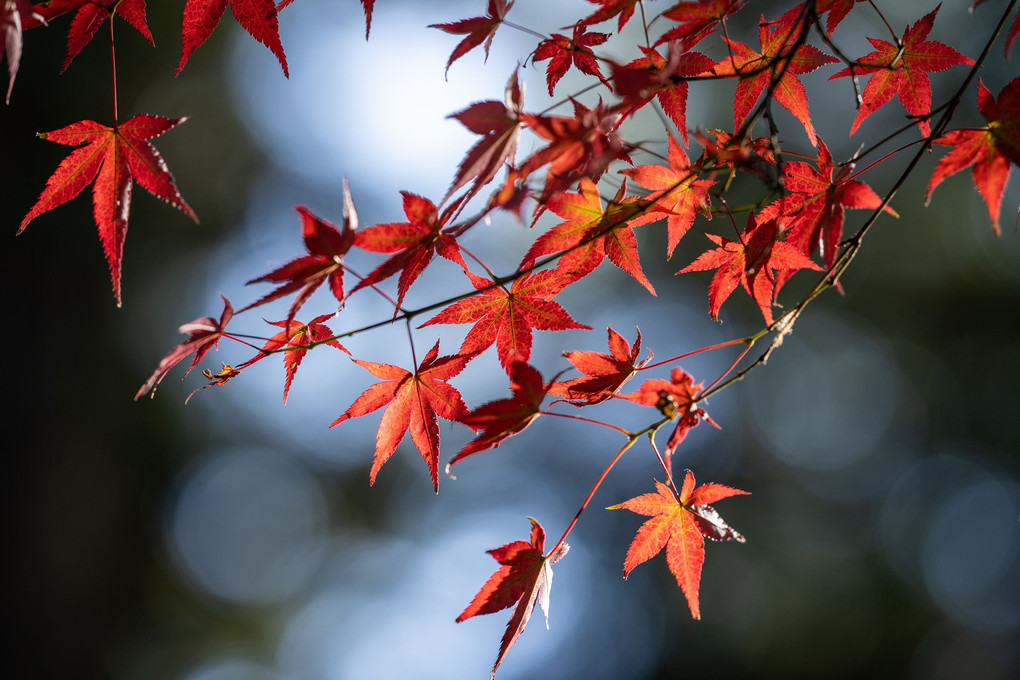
[(678, 194), (293, 342), (415, 243), (203, 334), (563, 51), (902, 70), (748, 262), (90, 16), (675, 398), (679, 523), (503, 418), (776, 67), (477, 30), (499, 123), (604, 374), (112, 157), (581, 146), (988, 151), (698, 19), (413, 402), (13, 14), (523, 579), (611, 8), (327, 245), (507, 317), (813, 211), (590, 235), (662, 77), (258, 17)]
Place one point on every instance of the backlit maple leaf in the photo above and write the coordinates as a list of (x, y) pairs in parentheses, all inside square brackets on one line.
[(563, 51), (590, 235), (503, 418), (902, 70), (203, 334), (89, 17), (476, 29), (624, 9), (113, 157), (13, 13), (499, 123), (581, 146), (675, 399), (698, 19), (777, 66), (415, 242), (258, 17), (814, 210), (679, 523), (678, 194), (604, 374), (327, 245), (988, 151), (523, 579), (413, 402), (748, 262), (506, 317), (293, 343), (662, 77)]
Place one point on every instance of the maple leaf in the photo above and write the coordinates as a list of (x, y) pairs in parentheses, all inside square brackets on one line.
[(744, 153), (698, 19), (563, 51), (203, 334), (503, 418), (258, 17), (327, 245), (775, 68), (413, 402), (662, 77), (89, 17), (813, 211), (523, 579), (499, 123), (12, 14), (590, 235), (679, 523), (415, 243), (748, 262), (678, 195), (611, 8), (988, 151), (112, 157), (674, 398), (902, 70), (837, 10), (477, 30), (604, 374), (507, 318), (293, 342), (581, 146)]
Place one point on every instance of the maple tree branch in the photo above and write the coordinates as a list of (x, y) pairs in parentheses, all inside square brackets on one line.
[(583, 419), (630, 442)]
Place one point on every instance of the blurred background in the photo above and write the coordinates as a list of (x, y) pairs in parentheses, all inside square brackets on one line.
[(238, 538)]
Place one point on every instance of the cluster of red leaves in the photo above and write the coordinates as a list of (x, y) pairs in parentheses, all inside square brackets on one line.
[(800, 216)]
